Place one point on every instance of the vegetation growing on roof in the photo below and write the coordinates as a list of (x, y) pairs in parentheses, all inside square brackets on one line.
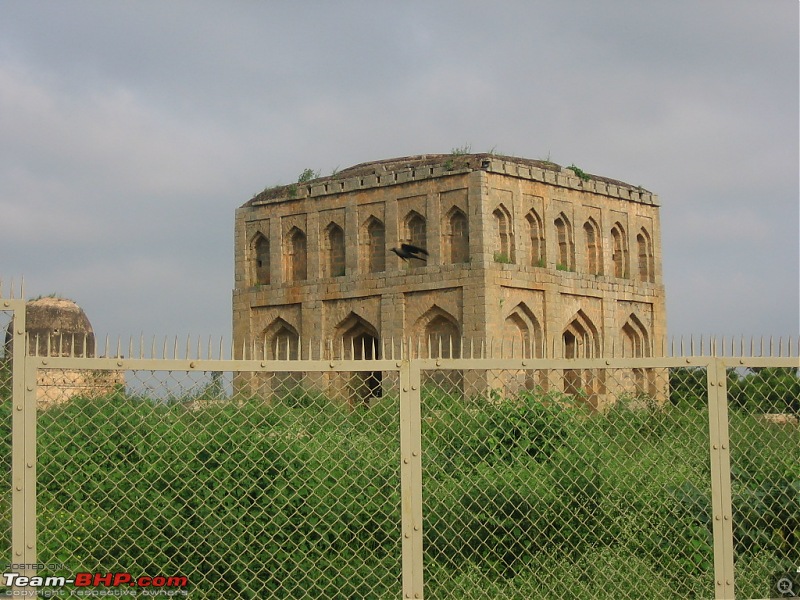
[(307, 175), (580, 173)]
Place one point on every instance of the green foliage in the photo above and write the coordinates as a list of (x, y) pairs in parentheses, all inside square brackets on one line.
[(514, 485), (766, 485), (765, 390), (5, 376), (561, 267), (580, 173), (502, 258), (307, 175), (456, 159), (756, 391), (529, 426), (290, 191), (765, 479), (688, 387), (302, 496), (242, 498)]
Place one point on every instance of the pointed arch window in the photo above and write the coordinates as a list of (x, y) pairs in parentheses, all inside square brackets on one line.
[(594, 249), (376, 246), (522, 328), (581, 339), (536, 231), (438, 336), (416, 228), (416, 234), (281, 342), (261, 261), (566, 243), (335, 251), (635, 339), (442, 338), (504, 235), (296, 256), (357, 339), (457, 237), (646, 261), (636, 344), (620, 258)]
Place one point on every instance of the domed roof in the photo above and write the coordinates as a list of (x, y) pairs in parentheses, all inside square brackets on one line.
[(60, 324), (56, 315)]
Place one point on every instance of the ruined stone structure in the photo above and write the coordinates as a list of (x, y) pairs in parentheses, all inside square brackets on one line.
[(557, 262), (59, 327)]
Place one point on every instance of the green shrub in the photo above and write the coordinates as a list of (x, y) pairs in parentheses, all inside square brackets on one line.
[(234, 496), (688, 387), (579, 173), (307, 175), (524, 497), (765, 390)]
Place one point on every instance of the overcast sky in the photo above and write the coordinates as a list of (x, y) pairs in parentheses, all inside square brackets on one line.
[(131, 131)]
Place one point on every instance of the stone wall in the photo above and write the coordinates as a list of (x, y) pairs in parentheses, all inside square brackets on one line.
[(57, 386), (519, 249)]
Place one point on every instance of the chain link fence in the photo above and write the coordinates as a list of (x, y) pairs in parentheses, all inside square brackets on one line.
[(535, 493), (284, 493), (764, 405), (6, 369), (289, 479)]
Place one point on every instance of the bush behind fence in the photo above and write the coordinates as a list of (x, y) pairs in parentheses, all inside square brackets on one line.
[(281, 488)]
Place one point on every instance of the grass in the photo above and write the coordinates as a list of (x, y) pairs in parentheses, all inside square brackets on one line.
[(524, 496), (455, 157)]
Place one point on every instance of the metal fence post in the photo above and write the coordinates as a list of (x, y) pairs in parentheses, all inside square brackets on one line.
[(411, 479), (720, 479), (23, 447)]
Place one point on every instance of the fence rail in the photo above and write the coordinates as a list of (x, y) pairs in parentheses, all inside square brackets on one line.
[(392, 348), (409, 475)]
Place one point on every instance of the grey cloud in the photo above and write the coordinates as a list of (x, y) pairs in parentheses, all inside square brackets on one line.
[(133, 130)]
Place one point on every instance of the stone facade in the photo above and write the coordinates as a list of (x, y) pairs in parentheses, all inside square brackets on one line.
[(557, 262), (59, 327)]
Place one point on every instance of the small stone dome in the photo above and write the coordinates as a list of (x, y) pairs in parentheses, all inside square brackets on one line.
[(60, 322)]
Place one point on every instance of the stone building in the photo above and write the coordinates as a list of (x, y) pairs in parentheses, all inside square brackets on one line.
[(59, 327), (550, 259)]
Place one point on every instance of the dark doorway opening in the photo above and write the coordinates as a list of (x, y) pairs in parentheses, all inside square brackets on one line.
[(366, 385)]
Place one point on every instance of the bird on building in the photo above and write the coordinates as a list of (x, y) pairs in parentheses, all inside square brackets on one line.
[(406, 251)]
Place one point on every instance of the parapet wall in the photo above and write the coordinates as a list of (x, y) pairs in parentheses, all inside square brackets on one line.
[(404, 170)]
